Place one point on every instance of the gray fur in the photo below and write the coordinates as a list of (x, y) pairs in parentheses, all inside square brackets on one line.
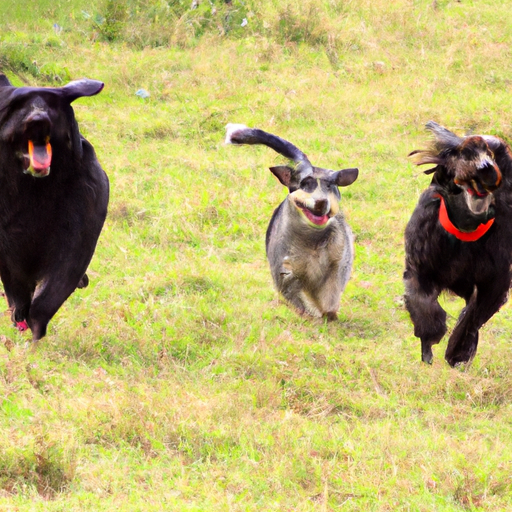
[(310, 263), (309, 267)]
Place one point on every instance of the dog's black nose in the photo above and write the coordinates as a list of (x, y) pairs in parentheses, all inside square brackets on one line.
[(321, 207)]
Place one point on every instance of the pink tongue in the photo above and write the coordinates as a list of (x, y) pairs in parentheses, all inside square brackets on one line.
[(40, 158), (319, 220)]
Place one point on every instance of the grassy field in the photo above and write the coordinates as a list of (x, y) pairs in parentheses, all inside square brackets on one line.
[(178, 380)]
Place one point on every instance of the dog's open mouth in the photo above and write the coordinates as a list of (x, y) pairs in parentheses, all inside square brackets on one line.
[(317, 220), (473, 192), (37, 162), (477, 198)]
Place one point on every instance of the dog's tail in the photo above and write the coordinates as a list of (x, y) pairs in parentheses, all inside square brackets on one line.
[(241, 134)]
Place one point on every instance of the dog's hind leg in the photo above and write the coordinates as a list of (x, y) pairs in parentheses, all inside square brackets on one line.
[(428, 317), (48, 298), (485, 301)]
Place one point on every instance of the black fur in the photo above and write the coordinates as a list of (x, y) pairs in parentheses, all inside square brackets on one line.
[(477, 271), (49, 225)]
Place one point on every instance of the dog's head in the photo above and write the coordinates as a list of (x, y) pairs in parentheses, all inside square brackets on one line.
[(314, 191), (466, 164), (33, 120)]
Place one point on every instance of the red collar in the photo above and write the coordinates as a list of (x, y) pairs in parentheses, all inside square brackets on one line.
[(452, 229)]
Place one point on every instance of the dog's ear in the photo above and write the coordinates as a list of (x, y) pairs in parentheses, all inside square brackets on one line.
[(4, 81), (283, 173), (346, 177), (425, 156), (444, 138), (80, 88)]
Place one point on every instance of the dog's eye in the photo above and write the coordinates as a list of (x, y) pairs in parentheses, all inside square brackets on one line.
[(308, 185)]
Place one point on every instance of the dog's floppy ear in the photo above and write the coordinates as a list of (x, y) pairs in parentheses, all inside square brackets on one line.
[(4, 81), (425, 156), (79, 88), (283, 173), (346, 177)]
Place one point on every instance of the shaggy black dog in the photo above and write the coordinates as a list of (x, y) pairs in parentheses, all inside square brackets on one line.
[(53, 200), (459, 238)]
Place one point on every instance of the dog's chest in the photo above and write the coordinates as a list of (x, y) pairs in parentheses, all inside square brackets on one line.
[(313, 264)]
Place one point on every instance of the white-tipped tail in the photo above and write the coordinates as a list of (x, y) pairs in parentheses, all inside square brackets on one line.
[(231, 129)]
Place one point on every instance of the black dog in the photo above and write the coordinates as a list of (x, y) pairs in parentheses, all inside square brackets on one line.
[(53, 200), (459, 238)]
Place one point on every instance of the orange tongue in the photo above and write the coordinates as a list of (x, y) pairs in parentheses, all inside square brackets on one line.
[(40, 156)]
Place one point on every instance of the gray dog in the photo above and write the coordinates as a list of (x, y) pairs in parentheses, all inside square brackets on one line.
[(309, 244)]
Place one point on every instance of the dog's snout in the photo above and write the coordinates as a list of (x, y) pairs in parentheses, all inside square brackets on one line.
[(321, 207), (38, 126)]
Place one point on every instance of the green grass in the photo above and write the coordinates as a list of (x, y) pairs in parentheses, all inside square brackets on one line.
[(178, 380)]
